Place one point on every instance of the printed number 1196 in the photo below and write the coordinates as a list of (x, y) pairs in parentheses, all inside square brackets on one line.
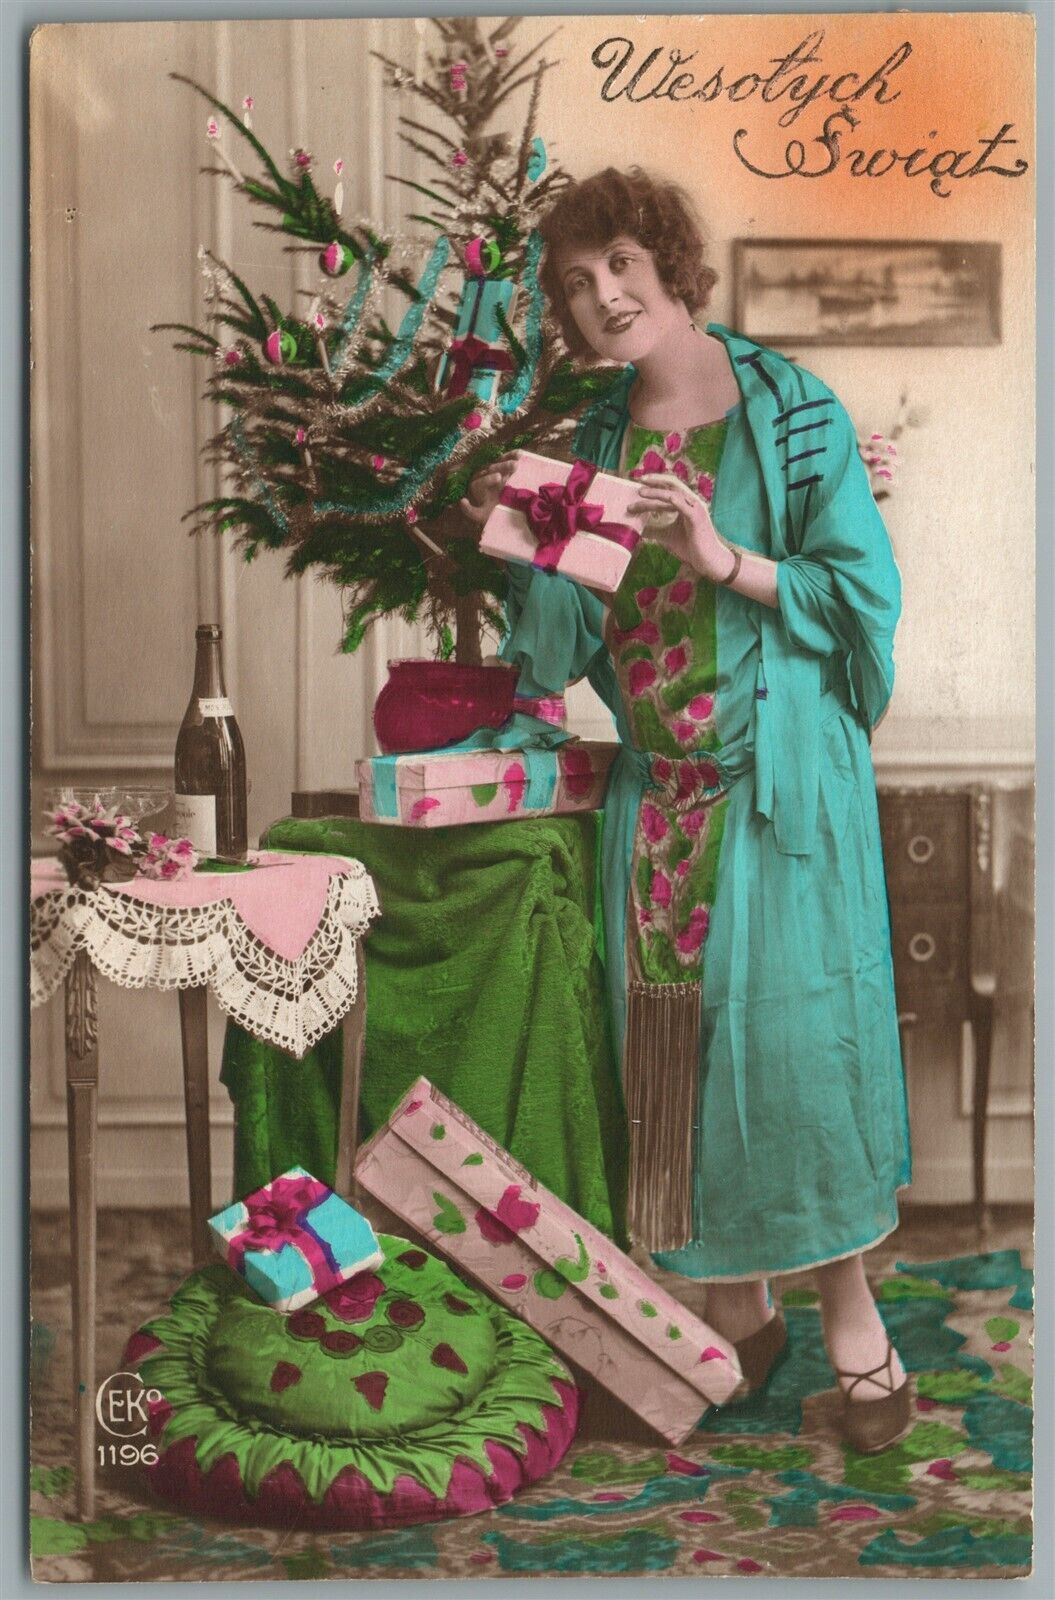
[(126, 1455)]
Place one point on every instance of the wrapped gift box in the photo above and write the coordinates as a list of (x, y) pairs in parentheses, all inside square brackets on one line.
[(567, 519), (479, 352), (443, 789), (434, 1167), (293, 1240)]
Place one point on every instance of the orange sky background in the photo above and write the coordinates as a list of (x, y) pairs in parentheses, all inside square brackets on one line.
[(968, 74)]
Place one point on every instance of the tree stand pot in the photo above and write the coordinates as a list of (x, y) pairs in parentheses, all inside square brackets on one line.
[(426, 705)]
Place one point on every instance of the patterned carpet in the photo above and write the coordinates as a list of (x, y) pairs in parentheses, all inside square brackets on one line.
[(762, 1487)]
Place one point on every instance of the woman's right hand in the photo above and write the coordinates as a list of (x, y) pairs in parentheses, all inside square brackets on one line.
[(486, 486)]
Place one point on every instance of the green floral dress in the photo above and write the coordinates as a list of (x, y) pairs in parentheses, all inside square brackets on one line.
[(662, 635)]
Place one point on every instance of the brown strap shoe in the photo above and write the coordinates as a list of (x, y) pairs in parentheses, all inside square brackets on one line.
[(869, 1426)]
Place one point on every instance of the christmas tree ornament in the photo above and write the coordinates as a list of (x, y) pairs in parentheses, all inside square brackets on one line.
[(459, 81), (338, 193), (459, 158), (232, 357), (482, 256), (301, 160), (280, 347), (336, 259), (473, 421)]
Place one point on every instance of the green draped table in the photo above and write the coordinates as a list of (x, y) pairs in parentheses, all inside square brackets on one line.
[(484, 974)]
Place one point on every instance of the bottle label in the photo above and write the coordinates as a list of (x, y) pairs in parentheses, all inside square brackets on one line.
[(220, 707), (195, 819)]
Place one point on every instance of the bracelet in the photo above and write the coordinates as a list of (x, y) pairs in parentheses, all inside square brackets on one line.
[(738, 556)]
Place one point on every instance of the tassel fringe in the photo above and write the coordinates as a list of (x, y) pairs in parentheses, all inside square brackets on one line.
[(660, 1083)]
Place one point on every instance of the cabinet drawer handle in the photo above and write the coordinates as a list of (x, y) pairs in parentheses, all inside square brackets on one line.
[(920, 849), (921, 947)]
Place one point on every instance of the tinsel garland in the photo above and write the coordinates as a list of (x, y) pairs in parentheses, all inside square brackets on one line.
[(354, 309), (412, 319), (517, 393), (241, 445)]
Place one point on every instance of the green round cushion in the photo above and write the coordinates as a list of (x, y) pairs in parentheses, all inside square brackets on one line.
[(400, 1396)]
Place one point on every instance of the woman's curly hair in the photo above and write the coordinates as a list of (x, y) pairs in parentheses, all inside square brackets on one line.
[(611, 203)]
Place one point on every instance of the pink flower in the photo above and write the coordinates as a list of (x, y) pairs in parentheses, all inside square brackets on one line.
[(247, 103), (689, 941), (168, 859), (701, 707), (491, 1229), (662, 769), (301, 160), (682, 867), (682, 592), (514, 781), (681, 471), (459, 158), (672, 443), (212, 129), (642, 676), (705, 485), (661, 890), (422, 807), (676, 660), (646, 597), (473, 420), (654, 823), (517, 1214), (645, 918), (410, 514), (642, 633), (684, 732), (355, 1299), (651, 461), (318, 322), (232, 357)]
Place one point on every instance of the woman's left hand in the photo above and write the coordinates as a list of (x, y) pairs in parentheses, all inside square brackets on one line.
[(690, 534)]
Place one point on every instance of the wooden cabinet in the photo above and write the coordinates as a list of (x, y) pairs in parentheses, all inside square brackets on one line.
[(938, 854)]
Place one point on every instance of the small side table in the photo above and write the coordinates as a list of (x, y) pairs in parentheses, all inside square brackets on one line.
[(280, 947)]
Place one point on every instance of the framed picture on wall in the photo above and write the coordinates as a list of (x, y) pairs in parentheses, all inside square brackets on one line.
[(867, 291)]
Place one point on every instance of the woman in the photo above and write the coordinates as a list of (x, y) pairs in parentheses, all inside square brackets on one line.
[(746, 657)]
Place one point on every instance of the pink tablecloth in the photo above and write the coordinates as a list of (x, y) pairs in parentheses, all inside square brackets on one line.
[(276, 944), (281, 901)]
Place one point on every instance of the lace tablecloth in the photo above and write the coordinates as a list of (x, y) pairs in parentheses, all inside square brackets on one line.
[(276, 944)]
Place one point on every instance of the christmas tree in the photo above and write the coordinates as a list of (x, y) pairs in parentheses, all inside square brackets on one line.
[(349, 442)]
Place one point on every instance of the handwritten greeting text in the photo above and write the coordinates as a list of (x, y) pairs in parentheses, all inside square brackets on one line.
[(663, 74)]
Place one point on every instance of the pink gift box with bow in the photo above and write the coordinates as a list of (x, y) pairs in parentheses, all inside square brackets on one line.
[(294, 1239), (434, 1167), (448, 788), (567, 519)]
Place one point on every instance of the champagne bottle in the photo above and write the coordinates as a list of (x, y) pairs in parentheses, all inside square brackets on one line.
[(210, 807)]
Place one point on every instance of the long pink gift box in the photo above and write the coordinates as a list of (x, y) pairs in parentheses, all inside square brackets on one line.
[(590, 558), (443, 789), (436, 1169)]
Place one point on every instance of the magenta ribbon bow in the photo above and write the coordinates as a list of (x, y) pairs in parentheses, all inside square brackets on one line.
[(277, 1218), (556, 512), (469, 355)]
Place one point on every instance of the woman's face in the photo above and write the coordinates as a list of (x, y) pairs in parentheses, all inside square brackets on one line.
[(620, 304)]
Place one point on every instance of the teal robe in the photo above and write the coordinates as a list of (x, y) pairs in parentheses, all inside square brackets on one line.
[(802, 1132)]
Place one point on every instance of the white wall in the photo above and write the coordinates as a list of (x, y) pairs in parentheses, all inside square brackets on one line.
[(119, 209)]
